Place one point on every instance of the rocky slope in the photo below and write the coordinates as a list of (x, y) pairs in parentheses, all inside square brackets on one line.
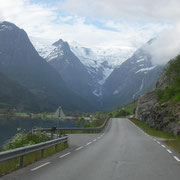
[(162, 113)]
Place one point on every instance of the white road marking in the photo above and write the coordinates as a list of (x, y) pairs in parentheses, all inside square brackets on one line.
[(79, 148), (169, 151), (88, 143), (176, 158), (154, 139), (163, 146), (94, 140), (64, 155), (99, 137), (158, 142), (40, 166)]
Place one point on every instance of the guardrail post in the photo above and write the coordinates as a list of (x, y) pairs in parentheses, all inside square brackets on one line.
[(21, 161), (55, 147), (42, 153)]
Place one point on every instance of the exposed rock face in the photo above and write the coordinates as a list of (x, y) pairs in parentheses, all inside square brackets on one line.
[(164, 116)]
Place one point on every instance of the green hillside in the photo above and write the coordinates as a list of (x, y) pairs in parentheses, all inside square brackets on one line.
[(172, 91)]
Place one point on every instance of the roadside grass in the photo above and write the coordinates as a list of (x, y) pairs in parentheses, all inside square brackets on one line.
[(13, 164), (172, 140), (77, 132), (153, 131), (173, 144)]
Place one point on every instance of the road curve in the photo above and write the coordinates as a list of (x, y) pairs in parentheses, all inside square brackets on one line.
[(124, 152)]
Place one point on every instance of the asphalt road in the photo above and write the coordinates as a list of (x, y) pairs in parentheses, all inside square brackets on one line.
[(122, 152)]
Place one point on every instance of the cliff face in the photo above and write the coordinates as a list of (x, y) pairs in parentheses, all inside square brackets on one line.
[(164, 116)]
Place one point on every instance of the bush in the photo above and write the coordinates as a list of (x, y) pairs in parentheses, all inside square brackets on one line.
[(121, 113), (25, 139), (172, 92)]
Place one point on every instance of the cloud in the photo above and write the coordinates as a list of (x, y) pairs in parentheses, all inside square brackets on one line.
[(41, 20), (166, 46), (135, 9), (69, 20)]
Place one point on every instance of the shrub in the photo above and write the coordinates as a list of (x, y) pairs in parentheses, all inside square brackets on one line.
[(25, 139)]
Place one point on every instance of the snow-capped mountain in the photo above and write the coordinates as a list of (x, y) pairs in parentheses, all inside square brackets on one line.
[(43, 46), (71, 69), (21, 63), (134, 77), (116, 76), (100, 62)]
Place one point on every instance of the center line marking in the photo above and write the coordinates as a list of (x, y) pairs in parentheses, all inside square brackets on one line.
[(99, 137), (169, 151), (88, 143), (79, 148), (40, 166), (163, 146), (158, 142), (94, 140), (176, 158), (64, 155)]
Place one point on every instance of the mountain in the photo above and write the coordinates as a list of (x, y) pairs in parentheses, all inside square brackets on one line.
[(20, 61), (161, 107), (133, 77), (72, 71), (97, 62), (15, 96), (100, 62)]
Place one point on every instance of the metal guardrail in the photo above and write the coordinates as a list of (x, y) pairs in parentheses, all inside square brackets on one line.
[(20, 152), (76, 129)]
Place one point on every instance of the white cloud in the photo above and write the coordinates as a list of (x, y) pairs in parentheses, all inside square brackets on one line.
[(43, 21), (142, 9), (166, 46)]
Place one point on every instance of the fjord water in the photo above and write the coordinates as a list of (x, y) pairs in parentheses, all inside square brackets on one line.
[(9, 125)]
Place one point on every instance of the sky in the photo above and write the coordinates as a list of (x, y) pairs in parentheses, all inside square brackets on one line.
[(125, 24)]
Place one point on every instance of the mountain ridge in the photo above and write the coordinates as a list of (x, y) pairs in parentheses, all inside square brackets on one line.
[(21, 62)]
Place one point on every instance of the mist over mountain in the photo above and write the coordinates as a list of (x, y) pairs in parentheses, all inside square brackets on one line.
[(135, 76)]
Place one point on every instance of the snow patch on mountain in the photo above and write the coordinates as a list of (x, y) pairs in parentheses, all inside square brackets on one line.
[(43, 46), (96, 55), (100, 60), (145, 69), (5, 28), (140, 60)]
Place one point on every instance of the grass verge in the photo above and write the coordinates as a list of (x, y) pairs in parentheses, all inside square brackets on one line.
[(173, 142), (13, 164), (153, 131)]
